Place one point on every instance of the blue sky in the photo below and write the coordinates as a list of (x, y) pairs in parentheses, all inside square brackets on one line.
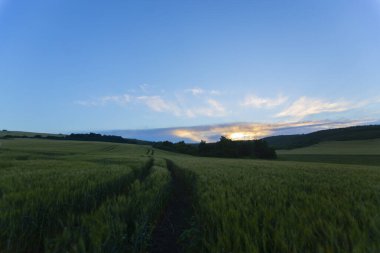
[(68, 65)]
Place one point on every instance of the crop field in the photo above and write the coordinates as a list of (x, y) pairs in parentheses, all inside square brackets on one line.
[(77, 196), (363, 152), (72, 196), (263, 206)]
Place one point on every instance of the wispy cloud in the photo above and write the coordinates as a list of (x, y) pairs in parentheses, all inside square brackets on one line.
[(198, 102), (196, 107), (199, 91), (305, 106), (216, 106), (121, 100), (144, 87), (212, 108), (195, 91), (158, 104), (215, 92), (258, 102)]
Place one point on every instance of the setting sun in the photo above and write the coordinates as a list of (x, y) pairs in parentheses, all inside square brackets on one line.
[(241, 136)]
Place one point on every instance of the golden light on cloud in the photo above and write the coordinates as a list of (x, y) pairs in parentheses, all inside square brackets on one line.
[(253, 131), (241, 136), (189, 134), (244, 131), (234, 132), (237, 136)]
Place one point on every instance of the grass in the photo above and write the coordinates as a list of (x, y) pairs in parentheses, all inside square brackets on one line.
[(122, 223), (71, 196), (48, 187), (271, 206)]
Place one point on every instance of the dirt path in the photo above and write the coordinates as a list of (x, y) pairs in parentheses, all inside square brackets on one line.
[(175, 220)]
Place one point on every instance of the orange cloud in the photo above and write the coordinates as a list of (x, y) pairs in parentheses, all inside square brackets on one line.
[(234, 132), (251, 131)]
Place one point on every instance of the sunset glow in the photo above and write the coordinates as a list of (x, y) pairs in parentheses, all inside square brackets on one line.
[(253, 131)]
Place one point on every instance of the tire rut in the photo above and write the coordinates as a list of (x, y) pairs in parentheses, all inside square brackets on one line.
[(175, 219)]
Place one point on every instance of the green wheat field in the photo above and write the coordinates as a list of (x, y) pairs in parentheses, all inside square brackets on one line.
[(73, 196)]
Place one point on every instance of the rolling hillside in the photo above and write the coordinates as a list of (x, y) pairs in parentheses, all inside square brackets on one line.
[(357, 147), (342, 152), (338, 134)]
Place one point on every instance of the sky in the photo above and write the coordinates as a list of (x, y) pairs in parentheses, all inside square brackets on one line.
[(195, 68)]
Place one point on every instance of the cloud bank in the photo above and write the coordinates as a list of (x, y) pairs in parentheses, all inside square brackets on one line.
[(235, 131)]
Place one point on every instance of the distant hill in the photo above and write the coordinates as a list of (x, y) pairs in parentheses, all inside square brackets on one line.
[(4, 133), (337, 134), (72, 137)]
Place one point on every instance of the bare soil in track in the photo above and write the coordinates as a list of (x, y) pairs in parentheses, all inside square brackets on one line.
[(175, 219)]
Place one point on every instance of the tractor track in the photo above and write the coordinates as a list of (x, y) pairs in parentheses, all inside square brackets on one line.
[(175, 219)]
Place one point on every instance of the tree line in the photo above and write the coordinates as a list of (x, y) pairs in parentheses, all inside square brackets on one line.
[(223, 148), (84, 137)]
